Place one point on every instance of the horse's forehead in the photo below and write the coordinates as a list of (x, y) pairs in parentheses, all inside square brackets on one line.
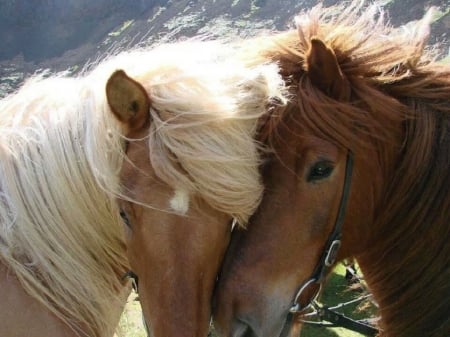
[(140, 180)]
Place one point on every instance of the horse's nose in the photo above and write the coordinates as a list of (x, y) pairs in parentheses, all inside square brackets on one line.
[(228, 309), (249, 300), (238, 310), (244, 307)]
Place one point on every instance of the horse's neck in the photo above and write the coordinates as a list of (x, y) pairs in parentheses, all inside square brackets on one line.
[(406, 266)]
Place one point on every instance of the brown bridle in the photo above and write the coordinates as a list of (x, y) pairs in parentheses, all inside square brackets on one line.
[(323, 267), (328, 256)]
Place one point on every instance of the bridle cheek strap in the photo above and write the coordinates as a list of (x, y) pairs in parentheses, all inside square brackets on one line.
[(329, 254)]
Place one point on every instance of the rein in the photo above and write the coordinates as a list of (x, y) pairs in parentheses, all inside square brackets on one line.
[(315, 281), (329, 318)]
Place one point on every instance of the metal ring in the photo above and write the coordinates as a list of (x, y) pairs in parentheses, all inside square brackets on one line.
[(296, 307)]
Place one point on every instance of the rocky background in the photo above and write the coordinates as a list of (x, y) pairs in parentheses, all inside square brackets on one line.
[(62, 35)]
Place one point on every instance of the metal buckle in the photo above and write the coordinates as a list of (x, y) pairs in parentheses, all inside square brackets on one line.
[(332, 253)]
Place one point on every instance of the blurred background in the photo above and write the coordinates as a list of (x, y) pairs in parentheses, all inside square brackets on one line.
[(68, 35)]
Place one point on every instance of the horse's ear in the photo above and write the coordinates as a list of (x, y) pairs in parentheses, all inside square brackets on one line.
[(128, 100), (324, 70)]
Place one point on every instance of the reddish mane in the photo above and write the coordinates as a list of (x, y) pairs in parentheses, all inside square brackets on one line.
[(399, 106)]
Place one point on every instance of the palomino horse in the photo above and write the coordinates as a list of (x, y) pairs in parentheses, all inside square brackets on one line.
[(201, 165), (173, 139), (360, 160)]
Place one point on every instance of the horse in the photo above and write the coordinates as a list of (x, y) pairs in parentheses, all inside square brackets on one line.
[(139, 163), (357, 165)]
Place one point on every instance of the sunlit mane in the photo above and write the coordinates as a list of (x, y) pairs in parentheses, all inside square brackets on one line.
[(203, 119), (59, 231), (61, 152), (399, 101), (207, 146)]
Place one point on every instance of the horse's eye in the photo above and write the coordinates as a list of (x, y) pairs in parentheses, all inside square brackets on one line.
[(125, 218), (320, 170)]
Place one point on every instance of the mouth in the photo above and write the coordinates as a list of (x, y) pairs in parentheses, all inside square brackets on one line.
[(274, 320), (238, 329), (243, 329)]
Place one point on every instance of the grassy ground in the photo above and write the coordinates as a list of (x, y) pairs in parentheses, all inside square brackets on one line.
[(336, 291)]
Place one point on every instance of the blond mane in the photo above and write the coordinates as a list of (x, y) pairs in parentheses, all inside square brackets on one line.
[(61, 154), (204, 117), (59, 231)]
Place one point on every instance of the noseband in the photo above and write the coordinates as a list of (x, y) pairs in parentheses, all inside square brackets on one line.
[(329, 254)]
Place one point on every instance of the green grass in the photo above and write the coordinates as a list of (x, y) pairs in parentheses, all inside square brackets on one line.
[(336, 291)]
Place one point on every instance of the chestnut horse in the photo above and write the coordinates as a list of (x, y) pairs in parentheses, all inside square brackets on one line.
[(360, 160), (170, 133)]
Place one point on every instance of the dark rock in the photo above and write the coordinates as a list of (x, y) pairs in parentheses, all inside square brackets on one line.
[(62, 34)]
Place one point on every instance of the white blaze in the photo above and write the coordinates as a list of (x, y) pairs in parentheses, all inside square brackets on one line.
[(180, 202)]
